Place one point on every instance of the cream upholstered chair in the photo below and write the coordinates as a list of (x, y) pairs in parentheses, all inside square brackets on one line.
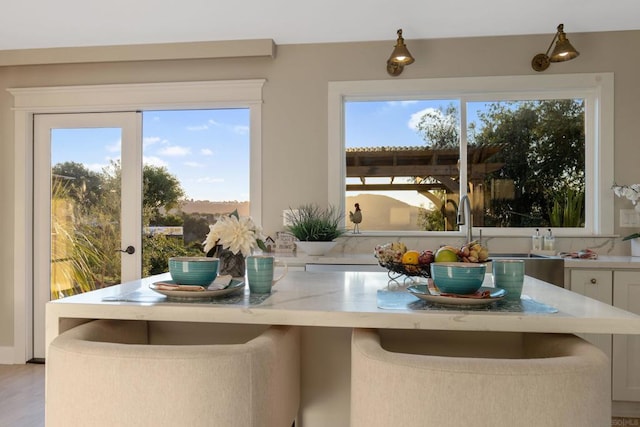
[(139, 373), (445, 378)]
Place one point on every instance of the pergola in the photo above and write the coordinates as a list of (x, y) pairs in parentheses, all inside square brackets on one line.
[(442, 165)]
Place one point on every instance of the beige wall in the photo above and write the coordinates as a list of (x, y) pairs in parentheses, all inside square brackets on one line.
[(295, 106)]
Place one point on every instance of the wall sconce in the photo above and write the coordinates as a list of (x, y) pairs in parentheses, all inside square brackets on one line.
[(399, 57), (562, 52)]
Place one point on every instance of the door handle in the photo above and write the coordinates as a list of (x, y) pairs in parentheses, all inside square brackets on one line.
[(130, 250)]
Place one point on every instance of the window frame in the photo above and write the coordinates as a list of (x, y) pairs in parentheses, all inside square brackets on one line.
[(596, 89)]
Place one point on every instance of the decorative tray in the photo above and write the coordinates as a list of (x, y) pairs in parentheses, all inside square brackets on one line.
[(424, 293), (236, 284)]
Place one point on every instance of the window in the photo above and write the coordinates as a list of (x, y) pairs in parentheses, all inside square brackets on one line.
[(531, 152)]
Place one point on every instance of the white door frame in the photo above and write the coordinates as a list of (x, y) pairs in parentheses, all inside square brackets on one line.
[(130, 124), (108, 98)]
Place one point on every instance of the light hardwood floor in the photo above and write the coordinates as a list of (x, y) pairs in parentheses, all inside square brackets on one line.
[(22, 398), (22, 395)]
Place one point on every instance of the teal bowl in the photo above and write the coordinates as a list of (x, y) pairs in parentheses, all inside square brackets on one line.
[(193, 270), (458, 277)]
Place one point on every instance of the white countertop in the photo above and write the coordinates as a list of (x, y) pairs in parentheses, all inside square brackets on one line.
[(348, 300), (302, 259), (613, 262), (603, 261)]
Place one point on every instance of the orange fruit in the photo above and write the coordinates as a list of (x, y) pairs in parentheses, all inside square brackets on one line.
[(410, 257)]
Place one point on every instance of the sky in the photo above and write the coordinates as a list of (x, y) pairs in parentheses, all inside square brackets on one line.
[(394, 124), (208, 150)]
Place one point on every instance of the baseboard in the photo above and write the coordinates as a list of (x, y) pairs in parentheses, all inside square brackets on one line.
[(7, 356), (625, 409)]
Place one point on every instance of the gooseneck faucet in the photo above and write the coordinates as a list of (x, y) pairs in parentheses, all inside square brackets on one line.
[(465, 211)]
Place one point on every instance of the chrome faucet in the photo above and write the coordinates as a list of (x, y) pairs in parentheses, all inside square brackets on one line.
[(465, 211)]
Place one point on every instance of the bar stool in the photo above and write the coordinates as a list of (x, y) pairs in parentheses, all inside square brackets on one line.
[(453, 378), (143, 373)]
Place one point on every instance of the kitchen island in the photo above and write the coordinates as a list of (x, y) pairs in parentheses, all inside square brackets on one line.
[(327, 306)]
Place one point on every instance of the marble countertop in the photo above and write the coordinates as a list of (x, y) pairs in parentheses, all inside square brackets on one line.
[(301, 259), (343, 299), (613, 262)]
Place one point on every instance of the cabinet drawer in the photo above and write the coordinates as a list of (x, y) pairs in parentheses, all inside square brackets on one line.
[(596, 284)]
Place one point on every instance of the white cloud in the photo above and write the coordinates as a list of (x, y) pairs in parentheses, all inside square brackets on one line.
[(154, 161), (175, 150), (209, 180), (193, 164), (241, 130), (206, 152), (150, 140), (95, 167), (401, 103), (197, 128), (115, 147), (206, 126), (415, 117)]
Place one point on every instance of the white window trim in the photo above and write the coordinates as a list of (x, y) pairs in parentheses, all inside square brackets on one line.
[(597, 89), (109, 98)]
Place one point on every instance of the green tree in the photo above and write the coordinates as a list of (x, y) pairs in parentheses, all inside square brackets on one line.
[(82, 185), (158, 248), (162, 192), (543, 153), (442, 219), (96, 229), (440, 128)]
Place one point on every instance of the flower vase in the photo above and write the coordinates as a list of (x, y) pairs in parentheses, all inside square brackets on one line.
[(231, 264), (635, 247)]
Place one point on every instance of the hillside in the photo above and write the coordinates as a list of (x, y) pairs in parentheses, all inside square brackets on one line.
[(207, 207), (378, 212), (383, 213)]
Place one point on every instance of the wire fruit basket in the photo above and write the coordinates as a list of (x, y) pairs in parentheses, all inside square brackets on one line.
[(397, 269)]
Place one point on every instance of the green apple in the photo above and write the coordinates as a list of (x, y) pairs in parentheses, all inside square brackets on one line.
[(445, 254)]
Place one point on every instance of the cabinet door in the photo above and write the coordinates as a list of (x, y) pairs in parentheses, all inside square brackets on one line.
[(626, 348), (596, 284)]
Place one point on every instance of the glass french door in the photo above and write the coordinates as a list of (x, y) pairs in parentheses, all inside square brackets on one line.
[(87, 206)]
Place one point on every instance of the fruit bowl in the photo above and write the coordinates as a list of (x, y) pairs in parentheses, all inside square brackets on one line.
[(458, 277), (412, 270)]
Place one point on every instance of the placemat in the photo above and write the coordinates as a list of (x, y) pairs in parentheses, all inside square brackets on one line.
[(236, 298), (402, 300)]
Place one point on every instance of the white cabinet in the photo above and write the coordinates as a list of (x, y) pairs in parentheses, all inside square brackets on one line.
[(626, 348), (596, 284), (620, 289)]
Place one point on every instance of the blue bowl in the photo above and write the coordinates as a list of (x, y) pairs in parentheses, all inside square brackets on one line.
[(193, 270), (458, 277)]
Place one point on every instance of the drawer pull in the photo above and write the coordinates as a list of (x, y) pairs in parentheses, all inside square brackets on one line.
[(593, 281)]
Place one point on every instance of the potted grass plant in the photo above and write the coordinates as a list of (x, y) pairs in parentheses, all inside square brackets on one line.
[(315, 228)]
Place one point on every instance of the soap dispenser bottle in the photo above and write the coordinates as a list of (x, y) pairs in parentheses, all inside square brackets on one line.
[(549, 241), (536, 241)]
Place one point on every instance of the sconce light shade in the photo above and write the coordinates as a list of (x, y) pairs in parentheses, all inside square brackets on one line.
[(399, 57), (563, 51)]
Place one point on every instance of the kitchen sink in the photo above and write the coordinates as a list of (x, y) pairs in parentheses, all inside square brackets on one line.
[(547, 268)]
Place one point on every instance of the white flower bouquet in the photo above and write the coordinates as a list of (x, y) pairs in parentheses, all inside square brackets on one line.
[(236, 234)]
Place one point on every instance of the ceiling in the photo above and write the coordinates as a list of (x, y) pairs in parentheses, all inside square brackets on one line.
[(64, 23)]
